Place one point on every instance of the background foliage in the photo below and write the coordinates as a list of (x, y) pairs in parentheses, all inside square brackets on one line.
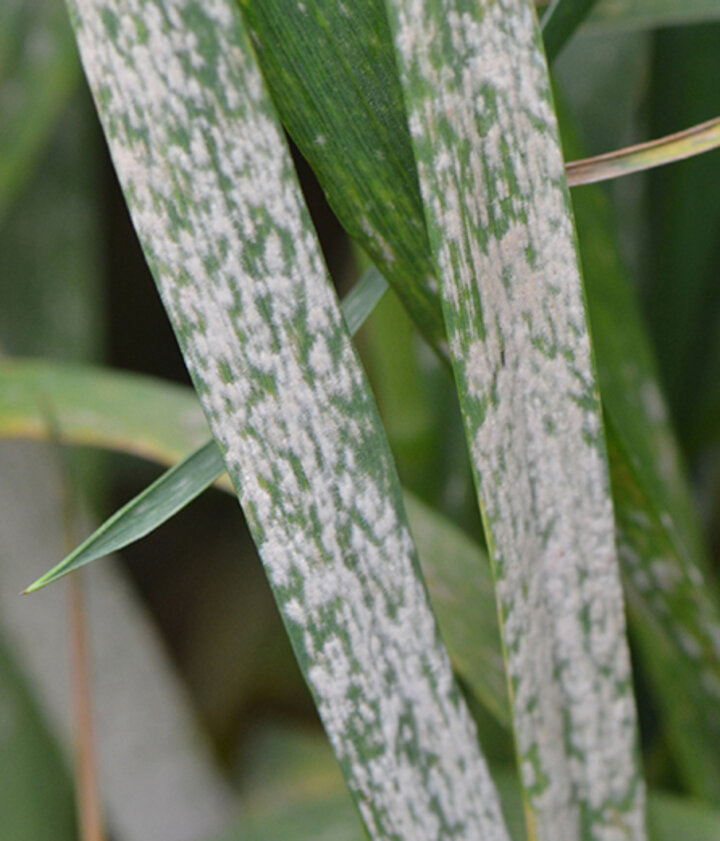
[(192, 621)]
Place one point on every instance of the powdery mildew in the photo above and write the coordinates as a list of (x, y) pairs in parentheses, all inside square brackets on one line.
[(214, 199), (658, 549), (492, 178)]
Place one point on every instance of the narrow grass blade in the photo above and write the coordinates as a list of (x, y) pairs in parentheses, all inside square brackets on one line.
[(665, 150), (187, 480), (498, 211), (560, 20), (212, 193), (362, 299), (143, 514)]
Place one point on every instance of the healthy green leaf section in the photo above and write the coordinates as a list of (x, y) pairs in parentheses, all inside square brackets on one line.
[(38, 72), (362, 299), (456, 570), (560, 20), (497, 204), (211, 189), (143, 514)]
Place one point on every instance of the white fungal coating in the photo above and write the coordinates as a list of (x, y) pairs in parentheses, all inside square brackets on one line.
[(213, 196), (491, 174)]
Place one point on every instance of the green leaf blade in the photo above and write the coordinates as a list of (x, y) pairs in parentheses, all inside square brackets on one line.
[(674, 613), (498, 213), (350, 127), (143, 514), (242, 280), (98, 407), (456, 570), (632, 430), (559, 22), (185, 481)]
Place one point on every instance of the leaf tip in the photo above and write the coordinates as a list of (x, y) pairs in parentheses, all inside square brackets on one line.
[(41, 582)]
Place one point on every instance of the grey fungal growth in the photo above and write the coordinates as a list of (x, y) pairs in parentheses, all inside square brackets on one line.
[(214, 199), (496, 200)]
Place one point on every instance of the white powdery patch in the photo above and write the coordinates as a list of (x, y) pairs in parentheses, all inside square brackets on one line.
[(242, 279), (523, 360), (674, 588)]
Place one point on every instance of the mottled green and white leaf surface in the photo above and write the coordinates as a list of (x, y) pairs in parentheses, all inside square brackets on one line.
[(295, 767), (630, 394), (213, 197), (456, 569), (185, 480), (497, 205), (350, 126)]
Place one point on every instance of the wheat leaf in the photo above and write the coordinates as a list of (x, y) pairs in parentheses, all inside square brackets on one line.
[(350, 127), (497, 204), (664, 150), (144, 513), (212, 193), (455, 568), (279, 747), (674, 613), (187, 480)]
